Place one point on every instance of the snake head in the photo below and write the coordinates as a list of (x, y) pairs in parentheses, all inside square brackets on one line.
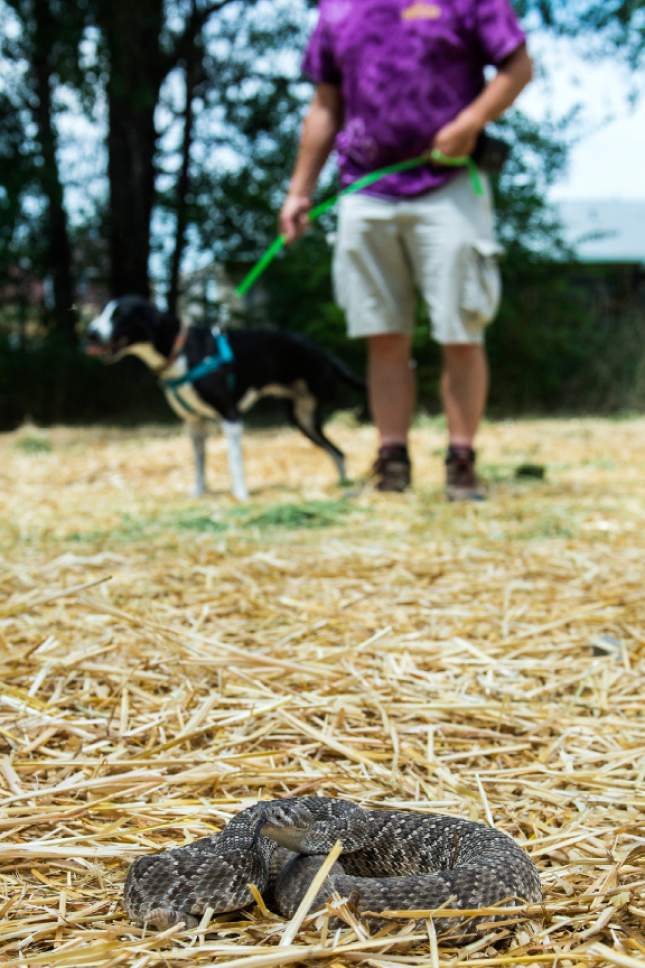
[(312, 825), (285, 822)]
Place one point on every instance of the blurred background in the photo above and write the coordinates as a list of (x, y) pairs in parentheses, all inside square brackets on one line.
[(145, 147)]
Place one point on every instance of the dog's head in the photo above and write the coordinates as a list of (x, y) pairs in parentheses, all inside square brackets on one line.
[(130, 324)]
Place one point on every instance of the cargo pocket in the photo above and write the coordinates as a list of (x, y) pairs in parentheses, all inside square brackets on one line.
[(337, 279), (481, 284)]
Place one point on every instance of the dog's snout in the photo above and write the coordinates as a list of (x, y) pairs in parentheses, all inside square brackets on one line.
[(100, 330), (97, 338)]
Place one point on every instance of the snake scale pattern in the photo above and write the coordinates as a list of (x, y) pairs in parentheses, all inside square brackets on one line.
[(391, 860)]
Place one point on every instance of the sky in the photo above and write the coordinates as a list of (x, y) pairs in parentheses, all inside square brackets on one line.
[(609, 163), (609, 159)]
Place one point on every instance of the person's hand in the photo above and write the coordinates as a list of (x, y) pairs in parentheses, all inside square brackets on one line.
[(294, 217), (458, 137)]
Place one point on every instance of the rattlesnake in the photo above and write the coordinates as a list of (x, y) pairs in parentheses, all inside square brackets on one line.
[(391, 860)]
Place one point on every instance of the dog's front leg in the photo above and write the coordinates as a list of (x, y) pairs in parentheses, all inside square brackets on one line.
[(233, 432), (197, 431)]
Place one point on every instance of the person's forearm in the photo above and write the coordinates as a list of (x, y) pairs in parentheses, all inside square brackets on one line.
[(319, 132), (511, 78), (459, 136)]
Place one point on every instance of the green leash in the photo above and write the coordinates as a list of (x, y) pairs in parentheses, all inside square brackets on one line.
[(438, 157)]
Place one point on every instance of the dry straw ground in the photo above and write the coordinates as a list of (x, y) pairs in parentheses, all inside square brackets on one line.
[(165, 662)]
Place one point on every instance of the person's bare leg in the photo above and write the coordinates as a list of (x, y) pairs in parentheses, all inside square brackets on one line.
[(391, 386), (464, 388)]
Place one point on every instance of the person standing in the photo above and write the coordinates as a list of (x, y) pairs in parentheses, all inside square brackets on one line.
[(395, 78)]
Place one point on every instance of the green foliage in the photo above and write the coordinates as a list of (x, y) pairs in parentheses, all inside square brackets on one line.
[(50, 382), (247, 129), (527, 225), (18, 177), (559, 344), (607, 28)]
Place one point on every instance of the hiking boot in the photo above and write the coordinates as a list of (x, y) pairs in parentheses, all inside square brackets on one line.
[(392, 469), (461, 479)]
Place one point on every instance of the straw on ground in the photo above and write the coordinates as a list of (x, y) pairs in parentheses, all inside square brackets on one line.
[(482, 661)]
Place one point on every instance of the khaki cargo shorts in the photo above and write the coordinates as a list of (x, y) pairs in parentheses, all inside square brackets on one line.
[(441, 244)]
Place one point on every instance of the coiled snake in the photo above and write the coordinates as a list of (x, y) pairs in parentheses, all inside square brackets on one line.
[(391, 860)]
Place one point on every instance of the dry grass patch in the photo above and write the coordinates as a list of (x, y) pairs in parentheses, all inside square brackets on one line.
[(165, 662)]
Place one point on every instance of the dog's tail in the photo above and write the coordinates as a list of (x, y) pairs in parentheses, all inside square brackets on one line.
[(346, 374)]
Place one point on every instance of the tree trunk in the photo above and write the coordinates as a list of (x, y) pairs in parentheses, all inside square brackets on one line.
[(192, 74), (132, 32), (58, 243), (137, 67)]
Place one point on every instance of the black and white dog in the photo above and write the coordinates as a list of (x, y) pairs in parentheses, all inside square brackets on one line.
[(208, 375)]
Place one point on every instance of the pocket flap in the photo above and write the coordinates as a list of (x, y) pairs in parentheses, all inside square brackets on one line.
[(487, 247)]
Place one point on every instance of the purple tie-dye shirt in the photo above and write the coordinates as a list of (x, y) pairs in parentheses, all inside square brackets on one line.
[(405, 68)]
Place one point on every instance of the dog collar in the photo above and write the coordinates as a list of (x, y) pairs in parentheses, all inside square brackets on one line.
[(177, 347), (223, 356)]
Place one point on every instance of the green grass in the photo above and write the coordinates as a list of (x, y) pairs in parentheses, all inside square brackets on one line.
[(33, 444), (294, 515), (289, 516), (549, 526), (192, 520)]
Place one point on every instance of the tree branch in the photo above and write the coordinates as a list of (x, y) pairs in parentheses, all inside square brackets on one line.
[(195, 24)]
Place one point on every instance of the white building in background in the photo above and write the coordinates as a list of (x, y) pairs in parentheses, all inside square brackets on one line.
[(605, 231)]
